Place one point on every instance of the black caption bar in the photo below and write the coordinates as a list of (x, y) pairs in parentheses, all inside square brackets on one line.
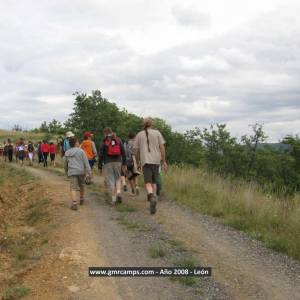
[(149, 272)]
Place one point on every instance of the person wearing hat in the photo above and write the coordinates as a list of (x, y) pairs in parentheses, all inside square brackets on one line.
[(89, 148), (66, 145)]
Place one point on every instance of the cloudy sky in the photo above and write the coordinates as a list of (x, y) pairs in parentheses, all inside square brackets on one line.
[(190, 62)]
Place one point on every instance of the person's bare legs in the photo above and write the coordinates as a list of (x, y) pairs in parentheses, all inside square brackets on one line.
[(114, 194), (136, 182), (81, 195), (118, 186), (73, 195), (150, 188), (132, 186), (123, 182)]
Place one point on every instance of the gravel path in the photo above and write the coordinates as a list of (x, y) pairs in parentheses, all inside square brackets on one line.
[(97, 235)]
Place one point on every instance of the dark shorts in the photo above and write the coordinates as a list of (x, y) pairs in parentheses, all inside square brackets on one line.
[(92, 163), (21, 155), (151, 173), (52, 156)]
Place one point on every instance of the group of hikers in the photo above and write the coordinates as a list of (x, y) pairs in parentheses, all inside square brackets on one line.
[(142, 153), (27, 150)]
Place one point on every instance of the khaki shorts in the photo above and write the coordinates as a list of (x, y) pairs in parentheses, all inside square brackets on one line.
[(112, 173), (77, 182)]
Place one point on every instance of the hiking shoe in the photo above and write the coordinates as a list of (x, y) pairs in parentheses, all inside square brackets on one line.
[(125, 188), (152, 204), (119, 199), (74, 206), (81, 201)]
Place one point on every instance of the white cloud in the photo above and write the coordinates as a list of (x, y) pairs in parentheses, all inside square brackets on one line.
[(232, 61), (190, 16)]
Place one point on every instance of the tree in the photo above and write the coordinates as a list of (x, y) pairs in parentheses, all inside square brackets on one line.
[(17, 127), (252, 143), (93, 113)]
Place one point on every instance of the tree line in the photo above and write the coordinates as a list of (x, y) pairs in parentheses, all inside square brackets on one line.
[(275, 167)]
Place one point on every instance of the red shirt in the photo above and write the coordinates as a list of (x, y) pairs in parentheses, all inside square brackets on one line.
[(52, 148), (45, 148)]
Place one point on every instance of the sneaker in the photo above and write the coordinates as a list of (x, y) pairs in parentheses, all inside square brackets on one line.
[(81, 201), (119, 199), (152, 205), (74, 206), (125, 188)]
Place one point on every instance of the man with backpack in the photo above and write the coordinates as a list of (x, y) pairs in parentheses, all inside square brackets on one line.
[(112, 158), (150, 154)]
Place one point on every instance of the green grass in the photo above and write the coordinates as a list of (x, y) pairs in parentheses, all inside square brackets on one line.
[(36, 211), (16, 135), (186, 262), (240, 205), (135, 226), (177, 244), (19, 252), (157, 251), (123, 207), (16, 292)]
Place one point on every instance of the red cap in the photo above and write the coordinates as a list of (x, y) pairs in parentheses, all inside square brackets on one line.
[(87, 134)]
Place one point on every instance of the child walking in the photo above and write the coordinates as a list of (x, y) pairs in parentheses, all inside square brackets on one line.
[(76, 166)]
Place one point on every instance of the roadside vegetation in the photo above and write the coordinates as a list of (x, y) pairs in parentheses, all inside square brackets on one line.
[(23, 228), (16, 135), (242, 205)]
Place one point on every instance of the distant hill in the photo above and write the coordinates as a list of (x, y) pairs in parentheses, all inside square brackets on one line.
[(15, 135), (275, 146)]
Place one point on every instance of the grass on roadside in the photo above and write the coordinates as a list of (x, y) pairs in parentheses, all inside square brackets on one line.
[(23, 202), (16, 292), (186, 262), (135, 226), (36, 211), (177, 244), (238, 204), (157, 251), (123, 207)]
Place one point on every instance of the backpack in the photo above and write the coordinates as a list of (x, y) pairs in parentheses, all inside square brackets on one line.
[(113, 147), (10, 148), (129, 153)]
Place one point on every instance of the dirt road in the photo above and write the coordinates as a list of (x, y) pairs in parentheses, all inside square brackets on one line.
[(100, 235)]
